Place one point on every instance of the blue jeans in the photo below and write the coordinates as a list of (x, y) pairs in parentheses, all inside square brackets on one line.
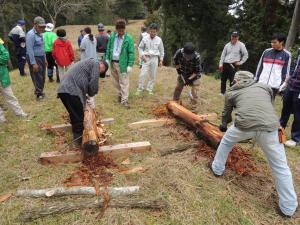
[(275, 154)]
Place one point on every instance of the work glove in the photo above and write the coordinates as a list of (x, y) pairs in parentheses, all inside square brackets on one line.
[(282, 87), (222, 128), (129, 69), (90, 101)]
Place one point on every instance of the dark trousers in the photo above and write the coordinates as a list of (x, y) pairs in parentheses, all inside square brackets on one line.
[(275, 91), (75, 109), (51, 65), (228, 73), (21, 58), (291, 105), (38, 78)]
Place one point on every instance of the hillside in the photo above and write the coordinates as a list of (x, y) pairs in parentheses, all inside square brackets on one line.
[(194, 195)]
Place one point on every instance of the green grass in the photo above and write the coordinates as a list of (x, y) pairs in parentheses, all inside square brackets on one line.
[(194, 195)]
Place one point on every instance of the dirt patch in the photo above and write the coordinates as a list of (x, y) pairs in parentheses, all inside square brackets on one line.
[(238, 160), (161, 111)]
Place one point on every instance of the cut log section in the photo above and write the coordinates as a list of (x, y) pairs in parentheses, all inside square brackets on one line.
[(66, 126), (207, 131), (62, 191), (114, 151)]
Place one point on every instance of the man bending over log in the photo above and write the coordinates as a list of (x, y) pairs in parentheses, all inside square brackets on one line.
[(256, 118), (78, 86)]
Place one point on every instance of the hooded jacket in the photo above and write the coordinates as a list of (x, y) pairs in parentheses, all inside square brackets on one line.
[(63, 52), (4, 74), (254, 110)]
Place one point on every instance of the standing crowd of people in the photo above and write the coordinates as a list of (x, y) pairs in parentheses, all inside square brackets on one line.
[(113, 53)]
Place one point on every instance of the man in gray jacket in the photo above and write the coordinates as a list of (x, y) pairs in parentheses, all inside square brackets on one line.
[(233, 56), (78, 86), (256, 118)]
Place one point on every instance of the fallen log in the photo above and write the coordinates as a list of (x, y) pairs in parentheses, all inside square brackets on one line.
[(114, 151), (58, 127), (66, 207), (62, 191), (207, 131)]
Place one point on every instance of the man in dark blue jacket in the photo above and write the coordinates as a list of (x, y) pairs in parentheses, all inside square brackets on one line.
[(291, 104), (17, 35)]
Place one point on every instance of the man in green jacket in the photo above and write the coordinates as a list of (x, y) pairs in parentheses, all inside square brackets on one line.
[(120, 55), (255, 118), (5, 87), (49, 38)]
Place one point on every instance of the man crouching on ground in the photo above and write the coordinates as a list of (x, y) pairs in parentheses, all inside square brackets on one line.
[(78, 86), (256, 118)]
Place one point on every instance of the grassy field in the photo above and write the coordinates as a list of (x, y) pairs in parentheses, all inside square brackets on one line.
[(194, 195)]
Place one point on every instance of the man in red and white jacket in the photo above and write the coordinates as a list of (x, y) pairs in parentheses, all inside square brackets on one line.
[(274, 65), (62, 52)]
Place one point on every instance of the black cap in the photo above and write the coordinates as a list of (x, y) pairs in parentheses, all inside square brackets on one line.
[(189, 50), (235, 34)]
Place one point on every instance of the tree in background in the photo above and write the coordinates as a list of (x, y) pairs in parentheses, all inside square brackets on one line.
[(257, 22), (128, 9), (204, 23), (294, 28)]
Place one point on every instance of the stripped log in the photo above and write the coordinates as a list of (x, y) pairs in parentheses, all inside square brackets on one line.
[(207, 131), (62, 191), (91, 133), (114, 151), (69, 206), (152, 123), (59, 127)]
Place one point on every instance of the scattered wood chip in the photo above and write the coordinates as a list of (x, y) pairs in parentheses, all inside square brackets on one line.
[(134, 170), (5, 197)]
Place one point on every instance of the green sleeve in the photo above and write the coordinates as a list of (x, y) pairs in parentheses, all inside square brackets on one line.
[(108, 49), (4, 55), (131, 52)]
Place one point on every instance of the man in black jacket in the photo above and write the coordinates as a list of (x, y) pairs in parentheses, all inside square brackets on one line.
[(188, 65)]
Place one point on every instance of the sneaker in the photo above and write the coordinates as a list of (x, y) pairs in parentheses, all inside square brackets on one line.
[(278, 210), (22, 114), (40, 97), (150, 92), (138, 92), (209, 165), (221, 94), (290, 143), (126, 105)]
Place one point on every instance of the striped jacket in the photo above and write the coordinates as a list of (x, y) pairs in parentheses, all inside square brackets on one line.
[(273, 67)]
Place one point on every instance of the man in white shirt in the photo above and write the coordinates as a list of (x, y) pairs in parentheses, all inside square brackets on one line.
[(151, 51)]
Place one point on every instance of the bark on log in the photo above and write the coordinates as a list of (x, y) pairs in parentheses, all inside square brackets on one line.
[(62, 191), (90, 133), (207, 131), (60, 208)]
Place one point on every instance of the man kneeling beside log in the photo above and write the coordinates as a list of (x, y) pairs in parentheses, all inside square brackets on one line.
[(256, 118), (78, 86)]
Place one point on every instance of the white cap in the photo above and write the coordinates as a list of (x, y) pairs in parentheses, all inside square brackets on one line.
[(49, 27)]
